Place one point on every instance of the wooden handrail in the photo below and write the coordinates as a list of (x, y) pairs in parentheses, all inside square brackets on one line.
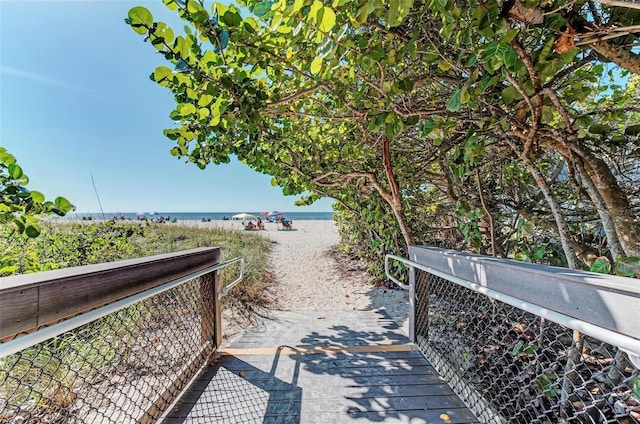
[(30, 301)]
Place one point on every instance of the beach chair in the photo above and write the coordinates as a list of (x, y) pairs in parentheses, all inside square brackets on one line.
[(287, 225)]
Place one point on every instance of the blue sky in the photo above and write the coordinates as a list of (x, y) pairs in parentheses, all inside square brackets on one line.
[(76, 101)]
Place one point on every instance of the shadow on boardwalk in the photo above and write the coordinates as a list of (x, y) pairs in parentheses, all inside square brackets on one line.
[(321, 367)]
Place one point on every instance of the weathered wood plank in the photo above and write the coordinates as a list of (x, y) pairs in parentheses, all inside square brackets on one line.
[(328, 392), (262, 362), (18, 311), (304, 385), (32, 300)]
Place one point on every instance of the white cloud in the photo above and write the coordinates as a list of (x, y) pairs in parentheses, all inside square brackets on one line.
[(43, 79)]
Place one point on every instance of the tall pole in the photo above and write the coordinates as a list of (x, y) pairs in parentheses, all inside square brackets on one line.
[(96, 191)]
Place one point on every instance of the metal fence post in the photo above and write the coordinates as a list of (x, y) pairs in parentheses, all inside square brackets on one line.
[(412, 304)]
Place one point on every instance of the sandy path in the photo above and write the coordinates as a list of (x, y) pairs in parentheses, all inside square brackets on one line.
[(309, 277)]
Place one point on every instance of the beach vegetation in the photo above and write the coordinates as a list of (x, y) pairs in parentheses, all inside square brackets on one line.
[(503, 129)]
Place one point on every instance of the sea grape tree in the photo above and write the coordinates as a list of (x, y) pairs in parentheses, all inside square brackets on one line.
[(20, 206), (479, 116)]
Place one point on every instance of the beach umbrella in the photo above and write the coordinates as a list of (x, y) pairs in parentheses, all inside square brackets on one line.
[(243, 216), (274, 216), (264, 213)]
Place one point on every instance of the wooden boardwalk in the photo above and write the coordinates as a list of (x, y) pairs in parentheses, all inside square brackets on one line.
[(320, 367)]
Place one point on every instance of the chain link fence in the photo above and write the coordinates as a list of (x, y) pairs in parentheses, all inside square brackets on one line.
[(125, 367), (511, 366)]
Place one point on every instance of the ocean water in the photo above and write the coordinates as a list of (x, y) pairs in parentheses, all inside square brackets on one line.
[(196, 216)]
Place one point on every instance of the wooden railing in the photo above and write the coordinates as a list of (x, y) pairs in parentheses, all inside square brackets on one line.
[(166, 303), (30, 301)]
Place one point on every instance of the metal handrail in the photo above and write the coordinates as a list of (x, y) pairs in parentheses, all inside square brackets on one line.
[(628, 344), (231, 285), (388, 273), (16, 345)]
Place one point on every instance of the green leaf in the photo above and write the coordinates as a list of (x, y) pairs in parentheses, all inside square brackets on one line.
[(636, 385), (471, 60), (326, 19), (509, 94), (261, 9), (187, 109), (398, 10), (455, 102), (510, 57), (161, 73), (20, 225), (37, 197), (601, 265), (194, 7), (510, 35), (63, 204), (465, 96), (444, 65), (632, 130), (297, 5), (15, 171), (494, 49), (204, 100), (231, 19), (427, 127), (316, 65), (394, 9), (6, 158), (538, 252), (203, 112), (600, 129), (390, 131), (405, 84), (517, 348), (627, 266), (140, 16), (171, 4), (32, 230)]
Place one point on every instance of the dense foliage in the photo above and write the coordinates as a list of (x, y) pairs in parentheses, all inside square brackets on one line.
[(506, 128), (21, 206)]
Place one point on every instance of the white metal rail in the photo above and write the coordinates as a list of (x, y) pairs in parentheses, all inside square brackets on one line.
[(628, 344)]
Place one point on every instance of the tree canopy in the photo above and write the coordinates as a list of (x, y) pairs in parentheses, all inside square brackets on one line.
[(506, 128)]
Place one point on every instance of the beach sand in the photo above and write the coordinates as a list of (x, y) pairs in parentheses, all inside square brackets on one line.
[(311, 275)]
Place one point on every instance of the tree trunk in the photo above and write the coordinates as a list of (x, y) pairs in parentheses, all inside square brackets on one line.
[(563, 230), (395, 200), (607, 186), (607, 224), (617, 203)]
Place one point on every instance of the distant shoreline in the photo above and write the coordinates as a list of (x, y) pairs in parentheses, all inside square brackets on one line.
[(189, 216)]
